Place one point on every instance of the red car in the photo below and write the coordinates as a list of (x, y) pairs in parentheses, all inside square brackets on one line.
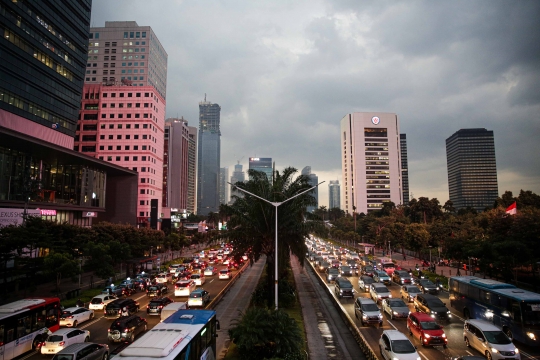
[(424, 327)]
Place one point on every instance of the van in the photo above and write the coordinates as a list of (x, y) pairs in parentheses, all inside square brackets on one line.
[(172, 308), (489, 339)]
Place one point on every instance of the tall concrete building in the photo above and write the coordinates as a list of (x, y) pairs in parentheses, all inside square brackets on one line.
[(175, 164), (404, 168), (124, 125), (313, 180), (472, 169), (192, 170), (44, 51), (238, 176), (208, 158), (262, 164), (370, 161), (334, 194), (124, 52), (223, 186)]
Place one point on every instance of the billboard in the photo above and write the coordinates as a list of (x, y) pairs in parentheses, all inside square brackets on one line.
[(9, 216)]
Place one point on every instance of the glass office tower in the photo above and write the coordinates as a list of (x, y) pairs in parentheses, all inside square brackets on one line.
[(262, 164), (334, 195), (472, 169), (404, 168), (313, 180)]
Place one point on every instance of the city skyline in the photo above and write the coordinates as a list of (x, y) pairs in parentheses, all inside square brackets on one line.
[(285, 81)]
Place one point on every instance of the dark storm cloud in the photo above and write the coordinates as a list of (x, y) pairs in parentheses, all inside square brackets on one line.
[(285, 73)]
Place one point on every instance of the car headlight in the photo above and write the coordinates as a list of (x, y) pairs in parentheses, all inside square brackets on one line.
[(493, 350), (380, 316), (390, 295), (531, 335), (443, 335), (395, 312), (427, 336), (364, 316), (432, 315), (516, 351), (340, 290)]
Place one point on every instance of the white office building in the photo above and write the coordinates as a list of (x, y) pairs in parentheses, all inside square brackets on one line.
[(370, 161)]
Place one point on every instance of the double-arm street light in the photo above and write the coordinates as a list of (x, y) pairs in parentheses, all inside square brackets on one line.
[(276, 204)]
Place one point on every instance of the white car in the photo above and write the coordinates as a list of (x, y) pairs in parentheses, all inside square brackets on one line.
[(184, 287), (224, 274), (73, 316), (99, 301), (163, 278), (62, 338), (210, 270), (395, 345), (199, 279)]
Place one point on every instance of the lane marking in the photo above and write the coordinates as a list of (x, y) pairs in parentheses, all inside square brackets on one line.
[(29, 355), (388, 321), (90, 323), (470, 353), (424, 356)]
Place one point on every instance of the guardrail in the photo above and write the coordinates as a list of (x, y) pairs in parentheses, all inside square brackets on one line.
[(227, 287), (360, 339)]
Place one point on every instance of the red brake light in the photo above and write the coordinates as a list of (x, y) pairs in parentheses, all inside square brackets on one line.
[(70, 317), (102, 303), (147, 306), (126, 330), (160, 306), (62, 343)]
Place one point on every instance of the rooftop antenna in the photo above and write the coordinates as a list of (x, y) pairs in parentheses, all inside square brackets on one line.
[(204, 97)]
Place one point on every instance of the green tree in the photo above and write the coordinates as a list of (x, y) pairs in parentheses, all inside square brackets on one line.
[(60, 265)]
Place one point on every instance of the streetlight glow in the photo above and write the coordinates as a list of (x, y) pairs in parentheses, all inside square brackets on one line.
[(276, 204)]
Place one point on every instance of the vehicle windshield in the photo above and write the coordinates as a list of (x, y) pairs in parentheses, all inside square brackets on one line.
[(368, 268), (381, 289), (346, 285), (195, 295), (429, 325), (183, 285), (368, 280), (497, 337), (397, 303), (435, 303), (345, 268), (531, 314), (370, 307), (96, 301), (62, 357), (427, 283), (388, 266), (152, 288), (195, 276), (333, 271), (402, 347), (154, 303), (413, 290), (55, 338), (66, 313)]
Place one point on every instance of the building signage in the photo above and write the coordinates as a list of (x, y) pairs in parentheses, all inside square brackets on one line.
[(89, 214), (9, 216), (375, 120), (48, 212), (253, 159)]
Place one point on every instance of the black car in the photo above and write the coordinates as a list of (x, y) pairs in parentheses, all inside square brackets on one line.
[(157, 304), (157, 290), (353, 265), (368, 270), (432, 305), (427, 286), (127, 289), (114, 309), (344, 288), (126, 328), (402, 277), (345, 270)]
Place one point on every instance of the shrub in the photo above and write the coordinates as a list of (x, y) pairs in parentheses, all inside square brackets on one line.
[(263, 333)]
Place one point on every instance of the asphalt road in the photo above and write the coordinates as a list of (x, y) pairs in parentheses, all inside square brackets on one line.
[(454, 330)]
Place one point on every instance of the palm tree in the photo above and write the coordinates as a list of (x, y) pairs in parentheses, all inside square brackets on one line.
[(252, 223)]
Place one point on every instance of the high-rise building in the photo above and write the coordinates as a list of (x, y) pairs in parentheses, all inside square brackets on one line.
[(313, 180), (44, 51), (176, 164), (472, 169), (124, 52), (208, 158), (192, 170), (370, 161), (262, 164), (404, 168), (334, 195), (223, 186), (124, 125), (237, 176)]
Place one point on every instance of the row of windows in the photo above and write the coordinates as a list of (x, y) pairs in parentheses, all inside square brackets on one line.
[(133, 64), (128, 116), (131, 57), (134, 34), (121, 105), (134, 71), (130, 50)]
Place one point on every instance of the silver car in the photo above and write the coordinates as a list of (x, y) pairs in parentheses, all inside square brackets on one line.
[(378, 292), (395, 308), (84, 351)]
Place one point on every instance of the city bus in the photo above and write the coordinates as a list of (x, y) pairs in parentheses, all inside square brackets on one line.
[(185, 335), (25, 324), (514, 310)]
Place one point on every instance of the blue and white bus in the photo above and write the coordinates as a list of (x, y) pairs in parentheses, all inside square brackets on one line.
[(185, 335), (515, 310)]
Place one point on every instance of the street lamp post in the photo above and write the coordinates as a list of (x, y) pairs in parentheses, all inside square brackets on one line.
[(276, 205)]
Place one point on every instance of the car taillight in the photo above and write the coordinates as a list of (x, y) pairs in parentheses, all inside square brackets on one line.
[(126, 330), (160, 306), (108, 330), (61, 343), (70, 317), (147, 306), (102, 303)]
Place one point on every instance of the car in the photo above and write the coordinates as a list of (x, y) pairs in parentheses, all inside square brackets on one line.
[(331, 274), (173, 267), (323, 265), (409, 292), (378, 292), (425, 329), (210, 270), (127, 289), (84, 351), (364, 282), (489, 339), (432, 305), (343, 288), (99, 301), (156, 290), (62, 338), (427, 286), (198, 298), (345, 270), (73, 316), (368, 270), (393, 344), (114, 309), (364, 260), (395, 308), (126, 328), (353, 256), (224, 274), (367, 311), (381, 276), (353, 265), (185, 275), (163, 278), (155, 305), (402, 277), (184, 287), (112, 290), (336, 263), (198, 278)]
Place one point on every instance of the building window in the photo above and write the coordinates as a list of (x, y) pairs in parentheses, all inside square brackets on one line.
[(141, 202), (102, 137), (118, 147), (102, 126), (103, 116), (101, 158), (126, 158), (111, 116), (135, 158), (137, 116), (111, 137), (109, 147), (120, 116), (111, 126), (118, 158), (136, 127), (128, 126), (135, 147), (101, 147), (109, 158), (144, 147), (143, 169), (118, 137), (126, 147)]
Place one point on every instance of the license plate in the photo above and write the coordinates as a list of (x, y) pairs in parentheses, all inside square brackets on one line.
[(51, 350), (153, 310)]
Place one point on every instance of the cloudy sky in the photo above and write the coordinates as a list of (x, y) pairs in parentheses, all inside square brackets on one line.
[(286, 72)]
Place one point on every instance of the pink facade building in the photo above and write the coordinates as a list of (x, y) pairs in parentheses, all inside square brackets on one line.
[(124, 125)]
